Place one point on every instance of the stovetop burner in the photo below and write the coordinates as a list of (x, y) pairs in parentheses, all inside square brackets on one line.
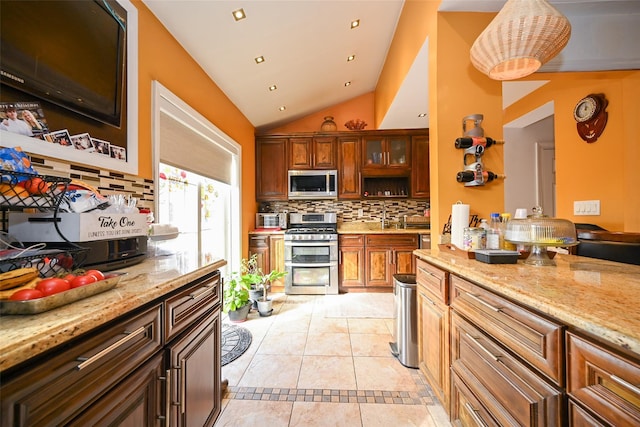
[(311, 230)]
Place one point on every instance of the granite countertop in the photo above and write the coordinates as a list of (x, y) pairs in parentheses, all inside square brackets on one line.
[(375, 227), (24, 336), (596, 296)]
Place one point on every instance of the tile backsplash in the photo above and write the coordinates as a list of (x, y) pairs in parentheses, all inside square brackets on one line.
[(349, 210)]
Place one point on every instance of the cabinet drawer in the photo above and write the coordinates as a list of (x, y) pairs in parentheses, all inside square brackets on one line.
[(433, 280), (351, 240), (391, 240), (466, 410), (509, 390), (534, 338), (603, 381), (63, 385), (578, 417), (190, 303)]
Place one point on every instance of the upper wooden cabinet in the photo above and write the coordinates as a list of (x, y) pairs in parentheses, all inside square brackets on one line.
[(420, 187), (312, 153), (389, 154), (349, 182), (271, 169)]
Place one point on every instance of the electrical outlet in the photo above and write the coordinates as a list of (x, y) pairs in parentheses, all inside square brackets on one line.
[(586, 207), (360, 213)]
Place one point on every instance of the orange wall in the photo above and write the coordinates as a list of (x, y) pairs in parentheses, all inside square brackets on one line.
[(603, 170), (162, 58), (360, 107)]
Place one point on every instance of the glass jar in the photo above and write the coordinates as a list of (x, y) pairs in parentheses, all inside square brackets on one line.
[(473, 238)]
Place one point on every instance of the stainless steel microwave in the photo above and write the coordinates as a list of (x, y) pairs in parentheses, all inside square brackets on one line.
[(313, 184), (271, 220)]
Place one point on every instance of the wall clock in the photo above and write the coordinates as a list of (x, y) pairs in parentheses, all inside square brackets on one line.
[(591, 116)]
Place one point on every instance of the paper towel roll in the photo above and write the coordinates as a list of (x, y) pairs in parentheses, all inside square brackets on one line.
[(459, 221)]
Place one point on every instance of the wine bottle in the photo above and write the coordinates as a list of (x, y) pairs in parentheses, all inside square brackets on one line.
[(483, 176), (473, 141)]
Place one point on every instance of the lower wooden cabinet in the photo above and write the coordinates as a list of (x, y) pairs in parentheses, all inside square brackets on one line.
[(269, 248), (603, 385), (351, 261)]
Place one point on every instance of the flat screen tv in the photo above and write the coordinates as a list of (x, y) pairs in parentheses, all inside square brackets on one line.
[(68, 52)]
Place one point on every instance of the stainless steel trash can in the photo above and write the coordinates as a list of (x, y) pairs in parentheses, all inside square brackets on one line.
[(405, 331)]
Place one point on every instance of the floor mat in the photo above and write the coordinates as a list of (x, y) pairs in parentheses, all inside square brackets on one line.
[(235, 341)]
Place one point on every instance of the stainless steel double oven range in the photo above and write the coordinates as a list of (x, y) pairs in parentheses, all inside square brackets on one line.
[(311, 254)]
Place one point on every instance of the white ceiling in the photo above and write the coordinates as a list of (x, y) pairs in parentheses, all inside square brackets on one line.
[(306, 44)]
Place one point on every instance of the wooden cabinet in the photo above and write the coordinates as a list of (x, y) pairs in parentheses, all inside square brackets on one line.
[(270, 250), (386, 154), (351, 260), (420, 187), (508, 357), (349, 182), (318, 152), (161, 361), (433, 328), (603, 386), (271, 169), (386, 255)]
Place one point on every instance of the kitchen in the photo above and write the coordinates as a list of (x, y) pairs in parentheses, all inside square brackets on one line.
[(618, 145)]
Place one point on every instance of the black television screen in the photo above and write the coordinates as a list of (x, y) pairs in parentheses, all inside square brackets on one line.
[(68, 52)]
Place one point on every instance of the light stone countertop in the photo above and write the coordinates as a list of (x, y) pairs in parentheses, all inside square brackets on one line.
[(25, 336), (601, 298), (375, 227)]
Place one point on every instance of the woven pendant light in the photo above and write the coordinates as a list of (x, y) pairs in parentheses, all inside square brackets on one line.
[(522, 37)]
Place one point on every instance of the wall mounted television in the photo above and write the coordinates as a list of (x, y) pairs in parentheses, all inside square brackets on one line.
[(70, 53)]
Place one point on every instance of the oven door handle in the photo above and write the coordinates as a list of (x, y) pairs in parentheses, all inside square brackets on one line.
[(297, 264), (308, 244)]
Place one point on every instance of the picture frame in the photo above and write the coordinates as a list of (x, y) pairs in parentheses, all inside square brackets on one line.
[(101, 146), (61, 137), (82, 141), (118, 153)]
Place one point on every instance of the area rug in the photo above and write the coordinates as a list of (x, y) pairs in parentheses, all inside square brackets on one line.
[(235, 341)]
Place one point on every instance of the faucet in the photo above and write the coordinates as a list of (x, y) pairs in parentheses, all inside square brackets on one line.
[(384, 214)]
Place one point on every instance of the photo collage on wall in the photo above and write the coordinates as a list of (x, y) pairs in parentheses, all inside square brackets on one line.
[(27, 118)]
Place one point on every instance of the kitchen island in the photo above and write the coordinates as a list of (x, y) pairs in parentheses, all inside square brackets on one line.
[(113, 355), (519, 344)]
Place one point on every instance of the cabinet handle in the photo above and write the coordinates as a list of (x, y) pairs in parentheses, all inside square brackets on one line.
[(183, 383), (486, 304), (200, 292), (477, 342), (429, 273), (130, 335), (167, 399), (625, 384), (474, 414)]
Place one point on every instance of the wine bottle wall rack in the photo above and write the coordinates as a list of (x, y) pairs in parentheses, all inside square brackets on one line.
[(474, 143)]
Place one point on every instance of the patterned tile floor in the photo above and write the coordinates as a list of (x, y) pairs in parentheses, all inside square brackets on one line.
[(325, 361)]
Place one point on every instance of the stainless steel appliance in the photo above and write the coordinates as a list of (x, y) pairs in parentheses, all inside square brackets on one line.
[(312, 184), (271, 220), (311, 254)]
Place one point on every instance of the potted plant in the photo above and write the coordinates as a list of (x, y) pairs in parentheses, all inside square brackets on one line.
[(236, 298), (264, 303), (259, 283)]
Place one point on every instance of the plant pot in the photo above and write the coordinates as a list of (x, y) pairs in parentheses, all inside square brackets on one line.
[(255, 295), (265, 307), (239, 315)]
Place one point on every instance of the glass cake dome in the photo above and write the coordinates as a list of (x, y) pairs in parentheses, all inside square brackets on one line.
[(540, 232)]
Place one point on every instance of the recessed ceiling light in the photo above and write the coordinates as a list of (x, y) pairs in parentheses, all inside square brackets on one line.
[(272, 88), (239, 14), (282, 108), (422, 115), (351, 58), (259, 59), (347, 84), (355, 23)]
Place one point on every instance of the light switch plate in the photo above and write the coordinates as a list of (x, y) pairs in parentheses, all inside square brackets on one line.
[(586, 207)]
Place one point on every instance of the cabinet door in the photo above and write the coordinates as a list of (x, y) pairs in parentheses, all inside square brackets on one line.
[(259, 244), (392, 153), (433, 338), (351, 260), (136, 402), (271, 169), (420, 187), (324, 152), (349, 168), (195, 392), (300, 153), (276, 260), (404, 260), (379, 268)]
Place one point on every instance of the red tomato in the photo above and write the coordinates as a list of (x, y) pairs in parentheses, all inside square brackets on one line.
[(52, 286), (26, 294), (95, 273), (82, 281), (36, 186), (69, 277)]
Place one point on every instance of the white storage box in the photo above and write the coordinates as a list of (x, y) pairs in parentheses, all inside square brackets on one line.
[(76, 227)]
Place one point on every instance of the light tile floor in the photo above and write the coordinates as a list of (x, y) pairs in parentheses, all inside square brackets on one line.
[(325, 361)]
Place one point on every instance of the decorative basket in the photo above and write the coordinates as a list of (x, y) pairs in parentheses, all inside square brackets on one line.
[(14, 195), (355, 124)]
